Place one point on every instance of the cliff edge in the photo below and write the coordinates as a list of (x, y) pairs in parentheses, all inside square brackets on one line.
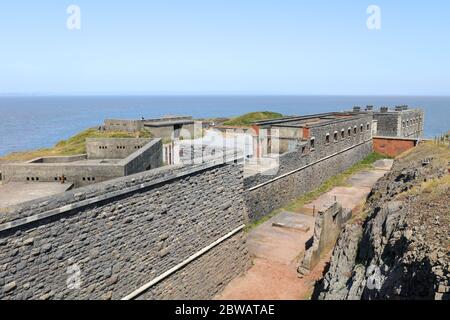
[(398, 248)]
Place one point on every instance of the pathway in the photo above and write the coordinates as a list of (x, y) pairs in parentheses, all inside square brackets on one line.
[(277, 245)]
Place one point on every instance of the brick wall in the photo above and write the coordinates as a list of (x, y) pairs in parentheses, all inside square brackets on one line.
[(392, 147)]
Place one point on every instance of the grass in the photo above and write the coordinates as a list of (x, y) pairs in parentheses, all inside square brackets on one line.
[(247, 119), (335, 181), (72, 146)]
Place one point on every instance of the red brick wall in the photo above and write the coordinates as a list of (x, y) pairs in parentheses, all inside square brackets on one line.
[(392, 147)]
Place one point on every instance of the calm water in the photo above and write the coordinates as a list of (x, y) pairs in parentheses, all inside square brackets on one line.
[(36, 122)]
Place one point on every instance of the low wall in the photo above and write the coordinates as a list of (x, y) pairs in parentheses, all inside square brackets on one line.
[(308, 173), (79, 174), (329, 224), (392, 146), (150, 156), (156, 232)]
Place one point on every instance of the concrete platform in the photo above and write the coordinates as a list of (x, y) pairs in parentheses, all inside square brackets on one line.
[(17, 192), (291, 221), (281, 244)]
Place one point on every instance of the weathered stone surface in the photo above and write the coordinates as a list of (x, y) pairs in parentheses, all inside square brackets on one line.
[(399, 252), (108, 250), (274, 195)]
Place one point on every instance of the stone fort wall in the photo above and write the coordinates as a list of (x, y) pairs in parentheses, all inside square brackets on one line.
[(158, 229), (303, 170)]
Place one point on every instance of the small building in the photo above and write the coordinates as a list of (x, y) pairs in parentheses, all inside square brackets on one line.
[(400, 122), (166, 128), (313, 133), (106, 158)]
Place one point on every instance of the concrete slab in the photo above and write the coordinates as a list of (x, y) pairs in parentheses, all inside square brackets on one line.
[(283, 245), (291, 221), (384, 164), (17, 192)]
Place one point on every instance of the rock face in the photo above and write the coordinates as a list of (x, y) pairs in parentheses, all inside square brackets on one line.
[(401, 249)]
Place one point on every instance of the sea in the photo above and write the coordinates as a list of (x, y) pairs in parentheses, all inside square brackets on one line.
[(32, 122)]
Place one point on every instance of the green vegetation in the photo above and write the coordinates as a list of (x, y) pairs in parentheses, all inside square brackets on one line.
[(74, 145), (247, 119), (335, 181)]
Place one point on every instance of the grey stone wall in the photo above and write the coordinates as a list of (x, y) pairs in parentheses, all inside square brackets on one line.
[(319, 164), (389, 124), (278, 193), (221, 265), (404, 124), (126, 232), (412, 124)]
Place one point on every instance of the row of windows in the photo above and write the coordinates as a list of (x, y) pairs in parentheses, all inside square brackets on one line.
[(119, 147), (88, 178), (32, 178), (327, 137), (411, 122), (349, 133)]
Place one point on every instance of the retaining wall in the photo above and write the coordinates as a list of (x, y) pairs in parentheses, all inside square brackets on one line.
[(115, 237)]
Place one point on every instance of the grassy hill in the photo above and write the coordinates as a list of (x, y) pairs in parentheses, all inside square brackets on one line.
[(247, 119), (73, 145)]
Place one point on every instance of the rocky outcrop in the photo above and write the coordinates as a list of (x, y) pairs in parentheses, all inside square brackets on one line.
[(401, 249)]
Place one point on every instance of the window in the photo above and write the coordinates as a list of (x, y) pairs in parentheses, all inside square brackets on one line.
[(349, 132), (355, 130), (343, 134), (362, 128), (368, 126), (327, 138), (303, 150), (312, 143), (335, 136)]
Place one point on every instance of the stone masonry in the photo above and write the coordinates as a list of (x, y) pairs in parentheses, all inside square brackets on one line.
[(106, 240), (305, 169)]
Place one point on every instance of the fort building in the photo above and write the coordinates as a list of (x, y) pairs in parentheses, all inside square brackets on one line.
[(400, 122), (166, 128), (175, 232), (106, 158)]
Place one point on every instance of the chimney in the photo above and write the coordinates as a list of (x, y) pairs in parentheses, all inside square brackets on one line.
[(369, 108), (356, 109), (384, 109)]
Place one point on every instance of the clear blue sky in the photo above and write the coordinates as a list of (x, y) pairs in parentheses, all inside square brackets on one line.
[(225, 46)]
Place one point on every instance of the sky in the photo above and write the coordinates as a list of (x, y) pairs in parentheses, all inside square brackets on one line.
[(225, 47)]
